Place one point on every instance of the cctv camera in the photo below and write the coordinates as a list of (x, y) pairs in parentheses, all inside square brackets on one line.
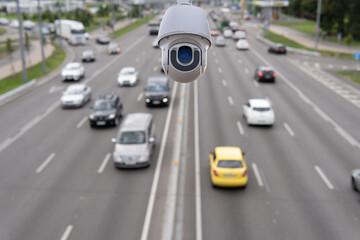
[(184, 38)]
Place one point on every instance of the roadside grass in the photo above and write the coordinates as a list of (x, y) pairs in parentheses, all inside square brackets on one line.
[(34, 72), (308, 27), (351, 75), (276, 38), (2, 31), (133, 25)]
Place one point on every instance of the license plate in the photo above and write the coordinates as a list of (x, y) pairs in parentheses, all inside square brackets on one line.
[(229, 175), (100, 123), (267, 76), (156, 102)]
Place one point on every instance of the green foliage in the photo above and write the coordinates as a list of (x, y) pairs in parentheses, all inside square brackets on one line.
[(9, 46), (351, 75), (34, 72), (80, 15), (27, 42), (2, 31)]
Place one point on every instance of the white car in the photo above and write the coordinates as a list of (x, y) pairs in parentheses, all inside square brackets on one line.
[(73, 71), (239, 34), (28, 25), (4, 21), (227, 33), (220, 41), (258, 112), (14, 23), (76, 95), (88, 56), (242, 44), (128, 76)]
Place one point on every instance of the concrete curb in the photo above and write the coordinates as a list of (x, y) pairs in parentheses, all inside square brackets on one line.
[(260, 37), (21, 90)]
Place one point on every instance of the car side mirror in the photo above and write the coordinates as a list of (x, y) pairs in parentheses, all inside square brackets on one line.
[(243, 153), (151, 140), (113, 140)]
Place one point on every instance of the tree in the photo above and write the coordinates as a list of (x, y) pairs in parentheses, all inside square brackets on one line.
[(354, 20), (10, 49)]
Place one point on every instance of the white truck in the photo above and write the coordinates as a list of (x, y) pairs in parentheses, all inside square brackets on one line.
[(72, 31)]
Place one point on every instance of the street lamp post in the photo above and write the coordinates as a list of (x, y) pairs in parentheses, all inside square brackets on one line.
[(59, 18), (317, 30), (43, 67), (24, 74)]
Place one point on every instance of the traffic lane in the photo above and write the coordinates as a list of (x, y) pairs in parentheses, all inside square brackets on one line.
[(160, 116), (343, 112), (279, 102), (35, 102), (227, 213), (261, 144)]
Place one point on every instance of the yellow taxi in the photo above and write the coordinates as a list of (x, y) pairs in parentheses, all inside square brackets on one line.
[(228, 167)]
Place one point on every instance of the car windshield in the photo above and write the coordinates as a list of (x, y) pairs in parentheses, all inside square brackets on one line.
[(73, 92), (132, 137), (71, 67), (102, 105), (229, 164), (76, 31), (157, 87), (127, 72), (261, 109), (113, 45)]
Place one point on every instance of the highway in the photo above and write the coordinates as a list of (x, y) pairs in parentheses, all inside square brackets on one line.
[(57, 180)]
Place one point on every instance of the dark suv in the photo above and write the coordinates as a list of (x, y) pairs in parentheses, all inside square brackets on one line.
[(107, 110), (265, 74), (157, 91)]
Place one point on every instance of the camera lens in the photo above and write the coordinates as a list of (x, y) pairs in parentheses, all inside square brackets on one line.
[(184, 54)]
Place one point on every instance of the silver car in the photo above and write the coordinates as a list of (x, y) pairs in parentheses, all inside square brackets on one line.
[(88, 56), (73, 71), (76, 95), (135, 141), (355, 179)]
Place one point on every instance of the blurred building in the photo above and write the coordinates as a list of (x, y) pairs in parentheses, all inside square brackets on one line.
[(267, 9), (30, 6)]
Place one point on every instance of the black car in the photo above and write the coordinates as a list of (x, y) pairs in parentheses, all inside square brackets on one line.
[(265, 74), (102, 39), (157, 92), (107, 110), (277, 48)]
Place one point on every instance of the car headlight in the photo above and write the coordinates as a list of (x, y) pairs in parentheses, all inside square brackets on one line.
[(117, 158), (91, 116), (111, 115), (144, 157), (147, 100), (165, 100)]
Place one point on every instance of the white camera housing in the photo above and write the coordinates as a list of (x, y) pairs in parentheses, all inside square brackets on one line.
[(184, 38)]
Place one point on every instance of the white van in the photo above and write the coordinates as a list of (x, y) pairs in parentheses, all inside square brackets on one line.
[(135, 141)]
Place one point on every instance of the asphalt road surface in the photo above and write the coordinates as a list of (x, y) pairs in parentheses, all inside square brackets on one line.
[(57, 180)]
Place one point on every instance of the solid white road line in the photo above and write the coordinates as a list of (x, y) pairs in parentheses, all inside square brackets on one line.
[(31, 124), (154, 186), (82, 121), (256, 83), (197, 165), (220, 70), (257, 175), (45, 163), (241, 130), (289, 130), (103, 164), (337, 127), (224, 82), (140, 97), (323, 177), (246, 71), (67, 232), (231, 102)]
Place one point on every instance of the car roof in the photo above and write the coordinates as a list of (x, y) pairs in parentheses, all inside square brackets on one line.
[(257, 102), (107, 97), (136, 121), (158, 79), (126, 69), (228, 153)]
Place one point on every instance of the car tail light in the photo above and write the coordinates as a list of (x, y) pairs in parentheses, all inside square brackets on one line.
[(277, 49), (274, 74), (215, 173), (260, 74), (244, 173)]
